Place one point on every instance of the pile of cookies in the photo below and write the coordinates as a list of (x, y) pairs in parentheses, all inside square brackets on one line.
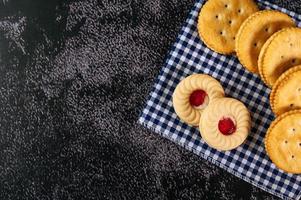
[(199, 100), (267, 43)]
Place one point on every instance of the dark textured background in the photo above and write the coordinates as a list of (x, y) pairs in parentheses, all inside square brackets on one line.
[(74, 76)]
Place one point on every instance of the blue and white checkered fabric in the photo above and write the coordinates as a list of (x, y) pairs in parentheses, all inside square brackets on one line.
[(189, 55)]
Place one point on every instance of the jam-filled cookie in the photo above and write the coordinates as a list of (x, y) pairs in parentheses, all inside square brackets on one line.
[(225, 124), (193, 94)]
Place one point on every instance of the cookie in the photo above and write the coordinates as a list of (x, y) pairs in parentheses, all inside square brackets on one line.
[(286, 93), (219, 22), (280, 52), (255, 31), (225, 124), (283, 142), (193, 94)]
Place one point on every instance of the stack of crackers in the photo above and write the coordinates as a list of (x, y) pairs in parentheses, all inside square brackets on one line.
[(267, 43)]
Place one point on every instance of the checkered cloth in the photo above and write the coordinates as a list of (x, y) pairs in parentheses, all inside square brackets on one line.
[(249, 162)]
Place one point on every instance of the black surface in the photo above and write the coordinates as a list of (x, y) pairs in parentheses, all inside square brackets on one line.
[(74, 76)]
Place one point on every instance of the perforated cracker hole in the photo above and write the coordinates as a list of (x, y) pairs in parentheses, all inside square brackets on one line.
[(216, 16), (299, 89), (285, 141), (221, 32), (291, 44), (234, 39), (299, 144), (294, 61), (239, 10), (291, 105), (226, 5), (293, 156), (255, 44), (230, 22), (282, 57)]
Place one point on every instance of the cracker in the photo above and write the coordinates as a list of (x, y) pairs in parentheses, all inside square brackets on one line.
[(219, 22), (286, 93), (181, 96), (254, 32), (280, 52), (283, 142)]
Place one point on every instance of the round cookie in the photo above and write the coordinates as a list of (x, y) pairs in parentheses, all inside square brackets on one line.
[(280, 52), (254, 32), (286, 93), (283, 142), (219, 22), (193, 94), (225, 124)]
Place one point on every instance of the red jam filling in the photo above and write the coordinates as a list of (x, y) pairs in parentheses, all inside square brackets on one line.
[(226, 126), (197, 98)]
